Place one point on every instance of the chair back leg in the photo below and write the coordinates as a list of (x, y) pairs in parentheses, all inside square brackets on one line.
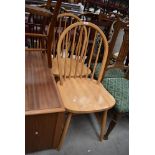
[(112, 124)]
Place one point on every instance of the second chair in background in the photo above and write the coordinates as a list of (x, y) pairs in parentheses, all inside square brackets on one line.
[(63, 21), (122, 53), (116, 81)]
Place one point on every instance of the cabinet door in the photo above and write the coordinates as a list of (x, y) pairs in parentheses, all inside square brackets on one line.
[(43, 131)]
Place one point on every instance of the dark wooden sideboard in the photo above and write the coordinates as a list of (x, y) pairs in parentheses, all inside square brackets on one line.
[(44, 111)]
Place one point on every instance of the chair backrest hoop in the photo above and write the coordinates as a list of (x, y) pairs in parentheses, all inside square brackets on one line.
[(68, 15), (59, 20), (104, 40)]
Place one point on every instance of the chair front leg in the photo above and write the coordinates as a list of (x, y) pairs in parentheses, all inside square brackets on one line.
[(103, 124), (65, 130)]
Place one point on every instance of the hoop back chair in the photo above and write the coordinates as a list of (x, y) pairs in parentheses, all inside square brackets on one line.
[(63, 21), (82, 94)]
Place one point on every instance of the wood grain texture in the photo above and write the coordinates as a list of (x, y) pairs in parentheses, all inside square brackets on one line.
[(39, 132), (41, 93), (103, 125), (66, 126), (63, 21), (82, 45), (51, 31), (44, 110), (36, 35), (117, 26), (70, 67), (121, 58), (35, 49), (58, 129), (81, 95), (84, 95), (62, 15), (43, 131)]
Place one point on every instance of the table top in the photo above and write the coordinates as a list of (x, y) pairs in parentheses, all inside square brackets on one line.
[(41, 93)]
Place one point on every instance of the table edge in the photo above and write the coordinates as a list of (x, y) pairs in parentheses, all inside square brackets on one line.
[(44, 111)]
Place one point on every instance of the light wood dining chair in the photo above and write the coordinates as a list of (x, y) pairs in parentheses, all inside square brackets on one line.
[(63, 21), (82, 94)]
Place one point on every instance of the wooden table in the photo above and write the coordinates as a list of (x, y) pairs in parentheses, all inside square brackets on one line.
[(44, 111)]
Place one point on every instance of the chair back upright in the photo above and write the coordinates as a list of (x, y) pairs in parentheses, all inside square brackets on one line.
[(79, 50), (124, 48), (121, 60), (63, 21)]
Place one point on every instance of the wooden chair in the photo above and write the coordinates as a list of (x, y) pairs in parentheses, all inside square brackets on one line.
[(35, 27), (40, 29), (63, 21), (83, 95), (119, 86), (122, 56)]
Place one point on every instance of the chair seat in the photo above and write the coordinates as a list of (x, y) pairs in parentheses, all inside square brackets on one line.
[(81, 95), (114, 73), (110, 73), (119, 88), (55, 69)]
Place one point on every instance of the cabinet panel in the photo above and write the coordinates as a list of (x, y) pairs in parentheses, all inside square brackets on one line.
[(43, 131)]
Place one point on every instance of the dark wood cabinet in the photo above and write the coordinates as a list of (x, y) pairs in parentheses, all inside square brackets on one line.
[(44, 111), (43, 131)]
